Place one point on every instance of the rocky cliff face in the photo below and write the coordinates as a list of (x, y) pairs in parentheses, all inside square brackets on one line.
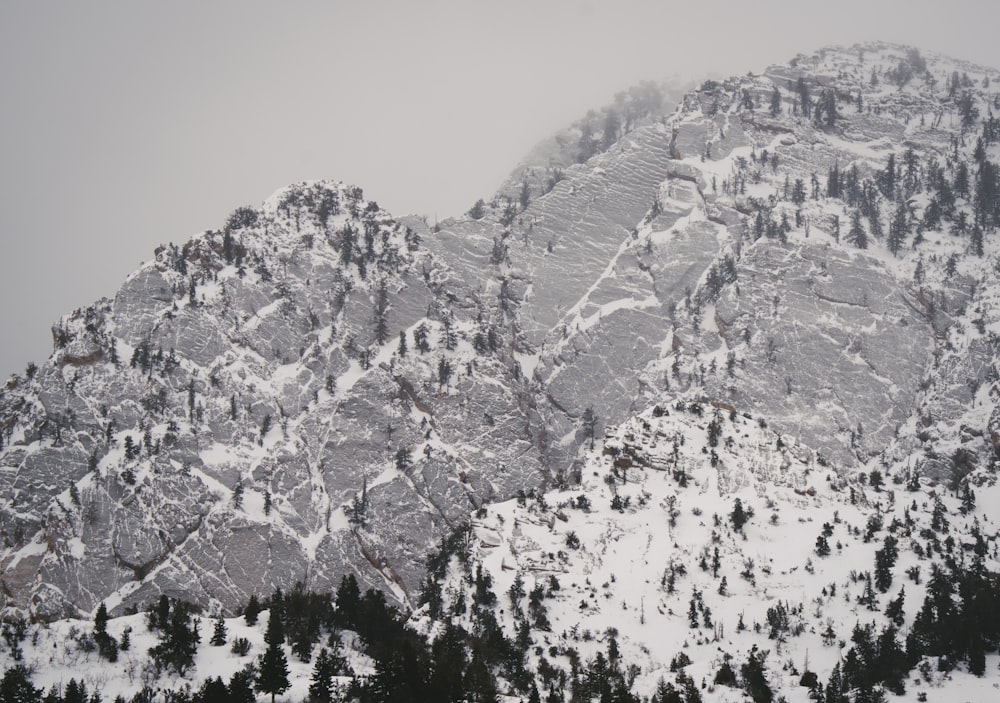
[(319, 388)]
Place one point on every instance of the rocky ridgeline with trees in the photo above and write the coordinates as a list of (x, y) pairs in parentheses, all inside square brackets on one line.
[(318, 390)]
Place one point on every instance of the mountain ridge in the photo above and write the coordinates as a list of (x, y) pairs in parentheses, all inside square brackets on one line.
[(267, 384)]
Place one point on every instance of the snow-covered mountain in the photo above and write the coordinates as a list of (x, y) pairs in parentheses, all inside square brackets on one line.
[(784, 292)]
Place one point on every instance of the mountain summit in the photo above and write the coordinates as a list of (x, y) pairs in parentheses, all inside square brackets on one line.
[(318, 388)]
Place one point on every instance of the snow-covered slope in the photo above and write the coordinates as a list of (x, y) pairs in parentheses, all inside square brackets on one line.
[(647, 551)]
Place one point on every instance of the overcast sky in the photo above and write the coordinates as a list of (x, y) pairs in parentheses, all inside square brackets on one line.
[(124, 125)]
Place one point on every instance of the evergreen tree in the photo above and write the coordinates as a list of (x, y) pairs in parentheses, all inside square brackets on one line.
[(822, 546), (775, 106), (885, 559), (272, 668), (738, 517), (754, 680), (589, 421), (976, 241), (449, 337), (252, 610), (420, 335), (479, 683), (829, 105), (107, 646), (898, 229), (448, 664), (241, 686), (835, 690), (725, 676), (348, 601), (478, 210), (856, 235), (179, 639), (799, 192), (321, 688), (101, 619), (887, 178), (868, 597), (894, 609), (219, 632), (833, 182), (961, 183), (16, 687), (890, 665), (805, 97), (381, 314), (213, 690), (75, 692)]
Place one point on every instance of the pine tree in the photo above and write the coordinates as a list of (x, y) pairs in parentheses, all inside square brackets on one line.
[(868, 598), (15, 687), (272, 667), (775, 107), (449, 661), (449, 338), (829, 104), (403, 460), (420, 338), (798, 192), (348, 601), (381, 312), (822, 546), (321, 688), (107, 646), (754, 680), (898, 229), (219, 632), (976, 241), (589, 421), (478, 210), (179, 639), (885, 559), (894, 609), (805, 98), (101, 619), (237, 497), (738, 517), (252, 610), (856, 235)]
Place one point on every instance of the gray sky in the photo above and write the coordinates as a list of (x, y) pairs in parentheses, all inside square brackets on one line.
[(124, 125)]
